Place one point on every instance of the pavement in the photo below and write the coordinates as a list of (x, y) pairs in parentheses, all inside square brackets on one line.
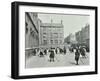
[(60, 60)]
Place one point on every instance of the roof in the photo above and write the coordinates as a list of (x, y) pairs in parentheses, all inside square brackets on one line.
[(51, 25)]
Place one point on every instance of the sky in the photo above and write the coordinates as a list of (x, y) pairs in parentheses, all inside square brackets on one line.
[(72, 23)]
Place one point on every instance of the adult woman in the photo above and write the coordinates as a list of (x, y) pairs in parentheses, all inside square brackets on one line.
[(77, 55), (52, 55)]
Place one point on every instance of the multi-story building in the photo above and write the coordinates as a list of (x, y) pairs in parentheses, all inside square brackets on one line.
[(51, 35), (70, 39), (31, 30), (78, 37), (83, 36)]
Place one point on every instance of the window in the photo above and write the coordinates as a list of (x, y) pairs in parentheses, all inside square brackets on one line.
[(60, 41), (51, 41), (32, 33), (56, 35), (56, 41), (45, 42), (60, 35), (26, 28), (44, 33), (44, 36)]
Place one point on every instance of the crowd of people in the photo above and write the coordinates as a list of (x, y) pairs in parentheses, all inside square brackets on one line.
[(79, 51), (41, 52), (51, 52)]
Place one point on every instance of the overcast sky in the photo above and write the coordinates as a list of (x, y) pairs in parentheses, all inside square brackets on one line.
[(72, 23)]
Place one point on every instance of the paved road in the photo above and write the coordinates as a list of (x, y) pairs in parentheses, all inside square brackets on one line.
[(60, 60)]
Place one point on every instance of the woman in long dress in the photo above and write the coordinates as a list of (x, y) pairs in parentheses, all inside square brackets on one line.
[(51, 56), (77, 55)]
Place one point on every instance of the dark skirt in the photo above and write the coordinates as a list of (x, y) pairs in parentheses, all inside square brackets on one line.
[(77, 57)]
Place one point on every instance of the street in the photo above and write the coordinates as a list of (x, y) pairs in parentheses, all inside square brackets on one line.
[(60, 60)]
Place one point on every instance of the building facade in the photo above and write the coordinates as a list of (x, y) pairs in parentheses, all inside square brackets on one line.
[(79, 37), (51, 35), (83, 36), (70, 39), (31, 30)]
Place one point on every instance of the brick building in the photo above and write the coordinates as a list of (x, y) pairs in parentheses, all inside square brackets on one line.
[(51, 35)]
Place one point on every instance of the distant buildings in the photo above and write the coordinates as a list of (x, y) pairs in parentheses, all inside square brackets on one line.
[(51, 35), (70, 39), (83, 36)]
